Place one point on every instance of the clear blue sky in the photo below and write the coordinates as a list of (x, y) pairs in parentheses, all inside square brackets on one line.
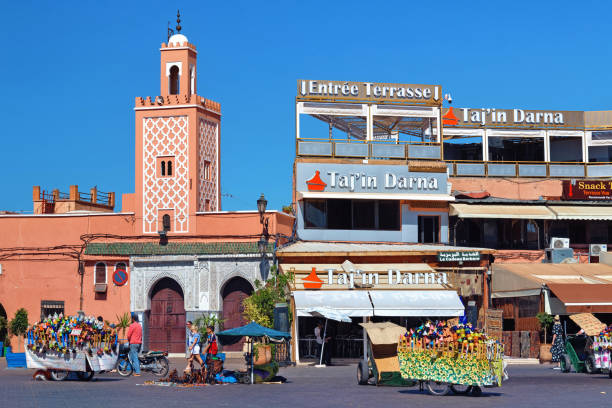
[(71, 71)]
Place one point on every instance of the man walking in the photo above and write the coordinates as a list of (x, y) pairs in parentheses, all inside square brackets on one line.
[(134, 337)]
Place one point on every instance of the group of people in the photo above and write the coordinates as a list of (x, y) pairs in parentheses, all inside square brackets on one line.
[(193, 344), (134, 338)]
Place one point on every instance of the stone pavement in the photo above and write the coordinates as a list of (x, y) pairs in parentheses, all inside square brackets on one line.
[(529, 386)]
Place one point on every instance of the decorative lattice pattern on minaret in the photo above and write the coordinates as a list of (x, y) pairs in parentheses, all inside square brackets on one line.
[(207, 134), (166, 136)]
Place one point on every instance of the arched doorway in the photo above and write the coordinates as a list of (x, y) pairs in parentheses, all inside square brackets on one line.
[(234, 291), (167, 317)]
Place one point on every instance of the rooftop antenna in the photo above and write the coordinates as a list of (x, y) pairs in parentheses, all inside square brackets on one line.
[(170, 32)]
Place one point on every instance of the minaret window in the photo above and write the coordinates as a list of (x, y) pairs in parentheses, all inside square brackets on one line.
[(174, 80), (165, 166)]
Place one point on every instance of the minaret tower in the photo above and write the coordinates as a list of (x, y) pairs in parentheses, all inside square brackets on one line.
[(177, 146)]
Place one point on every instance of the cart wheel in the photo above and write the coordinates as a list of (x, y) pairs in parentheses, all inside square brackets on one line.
[(589, 365), (476, 391), (461, 389), (59, 375), (566, 363), (85, 375), (363, 373), (437, 388)]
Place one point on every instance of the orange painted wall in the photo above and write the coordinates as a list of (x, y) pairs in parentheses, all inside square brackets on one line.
[(513, 188), (24, 282)]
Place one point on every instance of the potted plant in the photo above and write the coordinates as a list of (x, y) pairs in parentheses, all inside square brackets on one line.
[(18, 326), (7, 345), (123, 322), (546, 321)]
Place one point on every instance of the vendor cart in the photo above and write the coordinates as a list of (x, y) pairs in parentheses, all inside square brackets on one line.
[(587, 351), (445, 366), (84, 363), (381, 366)]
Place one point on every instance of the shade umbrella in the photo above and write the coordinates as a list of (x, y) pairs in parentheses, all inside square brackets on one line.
[(252, 329), (327, 313)]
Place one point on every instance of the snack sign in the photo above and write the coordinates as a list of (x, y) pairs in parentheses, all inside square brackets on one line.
[(587, 190)]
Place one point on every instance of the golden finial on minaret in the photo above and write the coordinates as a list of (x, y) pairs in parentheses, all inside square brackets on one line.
[(178, 21)]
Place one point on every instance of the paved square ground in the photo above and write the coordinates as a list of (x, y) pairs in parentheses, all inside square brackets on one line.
[(528, 386)]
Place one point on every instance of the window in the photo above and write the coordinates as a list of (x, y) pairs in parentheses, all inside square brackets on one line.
[(315, 214), (339, 214), (364, 214), (528, 306), (207, 170), (174, 80), (165, 166), (100, 273), (388, 215), (121, 266), (462, 147), (516, 148), (600, 154), (352, 214), (565, 149), (166, 222), (50, 307), (429, 227)]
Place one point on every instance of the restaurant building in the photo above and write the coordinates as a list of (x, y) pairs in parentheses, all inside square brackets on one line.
[(170, 254), (372, 198)]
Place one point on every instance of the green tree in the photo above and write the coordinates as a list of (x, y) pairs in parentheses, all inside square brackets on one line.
[(545, 321), (259, 307), (208, 320), (18, 326)]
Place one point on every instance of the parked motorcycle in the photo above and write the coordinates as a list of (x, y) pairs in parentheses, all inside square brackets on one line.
[(153, 361)]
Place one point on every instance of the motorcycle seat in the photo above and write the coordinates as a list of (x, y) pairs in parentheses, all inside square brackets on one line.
[(152, 353)]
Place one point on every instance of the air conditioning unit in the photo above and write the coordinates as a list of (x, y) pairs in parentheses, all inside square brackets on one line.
[(596, 249), (559, 255), (559, 242)]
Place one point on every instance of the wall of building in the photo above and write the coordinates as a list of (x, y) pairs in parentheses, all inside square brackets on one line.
[(513, 188)]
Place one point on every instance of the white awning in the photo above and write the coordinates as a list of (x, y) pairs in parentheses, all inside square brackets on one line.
[(585, 212), (416, 303), (528, 212), (354, 303), (376, 196)]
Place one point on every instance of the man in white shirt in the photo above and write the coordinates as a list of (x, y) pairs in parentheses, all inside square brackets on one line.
[(318, 332)]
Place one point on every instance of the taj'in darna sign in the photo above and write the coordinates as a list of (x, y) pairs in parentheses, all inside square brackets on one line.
[(395, 278)]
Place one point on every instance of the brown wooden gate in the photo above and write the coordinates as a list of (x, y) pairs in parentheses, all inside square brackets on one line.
[(167, 317), (233, 293)]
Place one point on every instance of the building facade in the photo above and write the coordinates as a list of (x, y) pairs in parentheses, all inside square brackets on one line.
[(170, 255)]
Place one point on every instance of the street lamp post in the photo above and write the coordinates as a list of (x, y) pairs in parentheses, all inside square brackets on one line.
[(262, 244)]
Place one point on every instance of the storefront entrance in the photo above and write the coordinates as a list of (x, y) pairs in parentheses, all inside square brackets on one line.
[(234, 292), (167, 317)]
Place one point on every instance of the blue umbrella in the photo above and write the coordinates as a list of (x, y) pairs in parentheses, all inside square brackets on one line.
[(252, 329)]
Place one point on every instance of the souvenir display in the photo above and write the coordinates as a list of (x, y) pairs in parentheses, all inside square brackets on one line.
[(80, 344), (69, 334), (457, 354), (602, 348)]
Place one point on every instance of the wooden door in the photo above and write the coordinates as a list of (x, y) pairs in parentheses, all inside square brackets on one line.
[(234, 293), (167, 318)]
